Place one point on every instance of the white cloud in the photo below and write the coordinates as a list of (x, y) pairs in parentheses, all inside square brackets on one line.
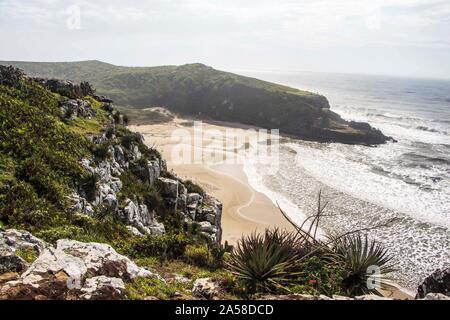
[(271, 31)]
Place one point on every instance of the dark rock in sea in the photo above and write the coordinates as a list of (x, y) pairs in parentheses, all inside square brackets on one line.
[(437, 282)]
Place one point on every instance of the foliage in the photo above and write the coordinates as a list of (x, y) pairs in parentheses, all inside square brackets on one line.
[(316, 276), (27, 254), (142, 288), (88, 184), (168, 246), (356, 255), (199, 255), (193, 187), (198, 90), (265, 262), (100, 151)]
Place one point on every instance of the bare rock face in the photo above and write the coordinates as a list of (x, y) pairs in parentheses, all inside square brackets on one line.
[(75, 270), (140, 217), (202, 209), (437, 282), (205, 288), (169, 188)]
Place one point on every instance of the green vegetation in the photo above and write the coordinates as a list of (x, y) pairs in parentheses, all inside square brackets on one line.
[(356, 255), (283, 262), (27, 254), (266, 262), (147, 287), (40, 153), (201, 91)]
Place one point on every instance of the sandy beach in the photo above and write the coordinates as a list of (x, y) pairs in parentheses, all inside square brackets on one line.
[(244, 209)]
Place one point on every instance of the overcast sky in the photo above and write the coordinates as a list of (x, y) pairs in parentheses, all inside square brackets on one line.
[(397, 37)]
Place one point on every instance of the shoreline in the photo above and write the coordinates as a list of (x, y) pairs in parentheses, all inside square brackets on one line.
[(245, 210)]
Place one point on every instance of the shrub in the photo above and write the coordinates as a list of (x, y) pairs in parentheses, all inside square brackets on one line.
[(199, 255), (43, 178), (52, 235), (22, 208), (316, 276), (128, 139), (88, 185), (153, 199), (168, 246), (193, 188), (109, 132), (265, 263), (100, 151), (142, 288), (356, 255)]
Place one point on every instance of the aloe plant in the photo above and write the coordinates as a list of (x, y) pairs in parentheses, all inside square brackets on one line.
[(265, 262), (357, 255)]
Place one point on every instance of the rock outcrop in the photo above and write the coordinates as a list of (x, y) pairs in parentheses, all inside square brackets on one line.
[(12, 242), (70, 270), (204, 210), (108, 171), (73, 108), (141, 218), (66, 88), (438, 283), (205, 288)]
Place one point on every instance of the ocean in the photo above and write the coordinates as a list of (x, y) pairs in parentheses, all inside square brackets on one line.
[(408, 180)]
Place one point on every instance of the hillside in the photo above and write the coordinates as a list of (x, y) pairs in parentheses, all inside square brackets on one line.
[(201, 91), (74, 179)]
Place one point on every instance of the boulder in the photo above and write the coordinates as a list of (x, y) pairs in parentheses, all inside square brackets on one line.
[(437, 282), (80, 204), (205, 288), (11, 241), (135, 153), (102, 99), (436, 296), (72, 109), (111, 201), (206, 227), (169, 188), (77, 270), (134, 231), (12, 263), (140, 217), (103, 288)]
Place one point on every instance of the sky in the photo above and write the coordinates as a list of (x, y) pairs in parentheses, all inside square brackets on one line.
[(396, 37)]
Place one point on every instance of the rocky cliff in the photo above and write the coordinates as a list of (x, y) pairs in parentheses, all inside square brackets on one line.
[(73, 174)]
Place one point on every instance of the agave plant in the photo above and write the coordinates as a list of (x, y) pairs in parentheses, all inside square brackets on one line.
[(265, 262), (358, 256)]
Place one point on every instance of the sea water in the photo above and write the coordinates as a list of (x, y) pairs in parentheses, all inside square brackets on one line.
[(365, 186)]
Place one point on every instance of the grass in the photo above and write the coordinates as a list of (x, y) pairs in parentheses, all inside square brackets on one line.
[(27, 254), (143, 288)]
